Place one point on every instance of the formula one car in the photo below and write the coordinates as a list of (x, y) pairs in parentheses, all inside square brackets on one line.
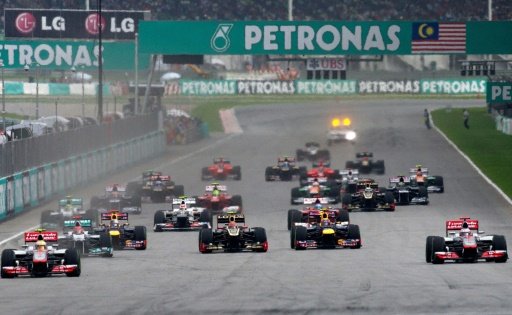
[(368, 196), (365, 164), (159, 188), (340, 131), (116, 197), (420, 175), (78, 234), (325, 228), (232, 235), (217, 200), (407, 192), (124, 236), (183, 216), (463, 243), (322, 172), (312, 153), (40, 259), (285, 170), (67, 209), (221, 169), (312, 208), (314, 190), (348, 182)]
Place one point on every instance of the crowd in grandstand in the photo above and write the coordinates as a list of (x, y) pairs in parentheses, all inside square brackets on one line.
[(357, 10)]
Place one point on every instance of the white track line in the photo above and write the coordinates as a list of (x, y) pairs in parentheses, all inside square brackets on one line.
[(487, 179), (15, 236), (229, 121)]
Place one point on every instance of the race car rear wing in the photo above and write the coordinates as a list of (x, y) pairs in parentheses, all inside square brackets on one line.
[(219, 187), (323, 163), (453, 225), (163, 178), (72, 201), (118, 188), (395, 180), (50, 236), (83, 223), (225, 219), (360, 155), (424, 170), (188, 201), (346, 172), (286, 159), (220, 160), (114, 215), (311, 201)]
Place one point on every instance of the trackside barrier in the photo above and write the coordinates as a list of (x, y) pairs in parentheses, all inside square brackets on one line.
[(26, 189)]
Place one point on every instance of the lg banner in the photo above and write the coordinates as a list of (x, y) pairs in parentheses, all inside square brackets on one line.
[(71, 24)]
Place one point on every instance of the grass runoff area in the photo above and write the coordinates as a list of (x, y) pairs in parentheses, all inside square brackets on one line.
[(489, 149)]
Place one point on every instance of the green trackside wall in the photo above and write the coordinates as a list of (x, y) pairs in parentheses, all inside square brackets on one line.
[(29, 188)]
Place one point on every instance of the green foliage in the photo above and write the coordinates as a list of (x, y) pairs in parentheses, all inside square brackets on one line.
[(488, 148)]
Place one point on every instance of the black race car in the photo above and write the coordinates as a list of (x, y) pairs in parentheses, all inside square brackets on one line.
[(312, 153), (365, 164), (285, 170), (368, 196), (407, 191), (232, 235), (117, 197)]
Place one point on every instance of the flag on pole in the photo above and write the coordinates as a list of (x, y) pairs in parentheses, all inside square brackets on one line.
[(434, 37)]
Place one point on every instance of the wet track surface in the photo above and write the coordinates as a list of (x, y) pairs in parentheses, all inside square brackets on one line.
[(388, 275)]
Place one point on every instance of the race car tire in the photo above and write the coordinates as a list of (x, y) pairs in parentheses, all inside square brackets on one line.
[(350, 165), (205, 216), (300, 155), (205, 175), (269, 172), (500, 243), (236, 200), (140, 235), (301, 234), (428, 248), (95, 202), (179, 190), (346, 200), (354, 233), (159, 217), (439, 182), (295, 193), (205, 238), (422, 192), (238, 172), (8, 260), (343, 216), (438, 245), (134, 189), (47, 217), (292, 237), (389, 198), (105, 240), (71, 257), (260, 236), (93, 215), (379, 167), (324, 155), (294, 215)]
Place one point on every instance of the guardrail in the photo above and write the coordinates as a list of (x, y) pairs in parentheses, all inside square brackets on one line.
[(30, 187)]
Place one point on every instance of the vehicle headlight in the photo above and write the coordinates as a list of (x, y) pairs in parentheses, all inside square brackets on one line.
[(351, 135)]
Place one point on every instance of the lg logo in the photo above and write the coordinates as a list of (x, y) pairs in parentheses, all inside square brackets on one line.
[(25, 23)]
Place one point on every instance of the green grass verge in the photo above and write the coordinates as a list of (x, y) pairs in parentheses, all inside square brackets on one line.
[(488, 148)]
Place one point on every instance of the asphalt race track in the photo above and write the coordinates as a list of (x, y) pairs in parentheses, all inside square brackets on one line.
[(388, 275)]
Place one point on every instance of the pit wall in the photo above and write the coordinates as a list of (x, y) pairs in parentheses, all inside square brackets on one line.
[(34, 186)]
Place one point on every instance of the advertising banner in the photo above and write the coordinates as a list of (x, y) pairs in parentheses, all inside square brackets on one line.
[(454, 86), (326, 87), (499, 92), (3, 198), (71, 24), (18, 192)]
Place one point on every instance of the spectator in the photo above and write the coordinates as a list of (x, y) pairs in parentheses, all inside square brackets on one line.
[(465, 115)]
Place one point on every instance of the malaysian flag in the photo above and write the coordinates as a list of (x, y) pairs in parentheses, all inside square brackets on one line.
[(434, 37)]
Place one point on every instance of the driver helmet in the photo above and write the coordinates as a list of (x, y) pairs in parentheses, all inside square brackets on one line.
[(215, 192), (318, 206), (78, 229), (40, 245), (465, 232)]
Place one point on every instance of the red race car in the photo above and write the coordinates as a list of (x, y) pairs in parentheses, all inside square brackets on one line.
[(39, 259), (221, 169), (217, 200), (322, 172), (311, 212), (464, 243)]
